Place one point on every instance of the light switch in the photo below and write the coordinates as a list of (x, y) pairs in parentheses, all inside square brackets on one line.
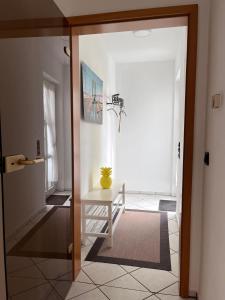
[(216, 101)]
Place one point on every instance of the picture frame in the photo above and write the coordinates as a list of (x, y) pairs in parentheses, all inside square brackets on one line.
[(92, 95)]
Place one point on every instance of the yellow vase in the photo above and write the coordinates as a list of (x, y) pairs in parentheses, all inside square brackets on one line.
[(106, 182)]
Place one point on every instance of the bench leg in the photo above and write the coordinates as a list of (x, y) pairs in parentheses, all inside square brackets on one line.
[(110, 224), (83, 225), (123, 195)]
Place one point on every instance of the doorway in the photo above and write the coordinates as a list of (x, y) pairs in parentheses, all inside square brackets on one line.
[(109, 23)]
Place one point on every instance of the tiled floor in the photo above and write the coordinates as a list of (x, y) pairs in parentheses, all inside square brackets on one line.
[(146, 202), (50, 279)]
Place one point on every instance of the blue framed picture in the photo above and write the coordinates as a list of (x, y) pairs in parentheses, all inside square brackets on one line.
[(92, 95)]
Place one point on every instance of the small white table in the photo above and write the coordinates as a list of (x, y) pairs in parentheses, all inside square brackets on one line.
[(107, 205)]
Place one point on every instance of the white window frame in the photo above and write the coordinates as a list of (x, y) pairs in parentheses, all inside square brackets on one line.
[(49, 188)]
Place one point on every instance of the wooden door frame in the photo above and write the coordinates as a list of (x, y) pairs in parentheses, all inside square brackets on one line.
[(106, 22)]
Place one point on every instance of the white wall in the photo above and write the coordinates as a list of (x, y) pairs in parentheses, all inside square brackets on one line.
[(213, 248), (97, 141), (23, 62), (144, 146), (79, 7)]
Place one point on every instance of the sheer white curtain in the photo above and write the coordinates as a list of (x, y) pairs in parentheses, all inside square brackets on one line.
[(51, 162)]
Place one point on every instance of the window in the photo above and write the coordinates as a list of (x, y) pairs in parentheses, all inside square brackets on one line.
[(51, 163)]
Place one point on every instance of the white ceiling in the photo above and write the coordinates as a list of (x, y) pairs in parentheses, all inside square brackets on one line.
[(161, 44)]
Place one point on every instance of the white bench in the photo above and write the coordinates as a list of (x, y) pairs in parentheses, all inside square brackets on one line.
[(106, 205)]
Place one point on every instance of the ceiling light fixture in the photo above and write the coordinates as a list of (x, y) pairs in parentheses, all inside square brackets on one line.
[(141, 33)]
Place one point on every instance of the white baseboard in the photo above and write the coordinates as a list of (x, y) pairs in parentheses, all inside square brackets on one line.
[(193, 294), (149, 193)]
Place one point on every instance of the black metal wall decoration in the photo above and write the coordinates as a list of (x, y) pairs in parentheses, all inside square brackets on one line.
[(117, 102)]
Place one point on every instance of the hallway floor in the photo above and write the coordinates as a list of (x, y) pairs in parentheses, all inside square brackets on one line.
[(146, 202), (50, 279)]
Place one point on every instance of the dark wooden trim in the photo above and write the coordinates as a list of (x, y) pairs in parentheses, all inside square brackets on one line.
[(134, 25), (133, 15), (75, 110), (188, 152), (190, 11)]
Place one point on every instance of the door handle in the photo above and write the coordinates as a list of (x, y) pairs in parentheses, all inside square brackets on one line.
[(18, 162), (29, 162), (70, 248)]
